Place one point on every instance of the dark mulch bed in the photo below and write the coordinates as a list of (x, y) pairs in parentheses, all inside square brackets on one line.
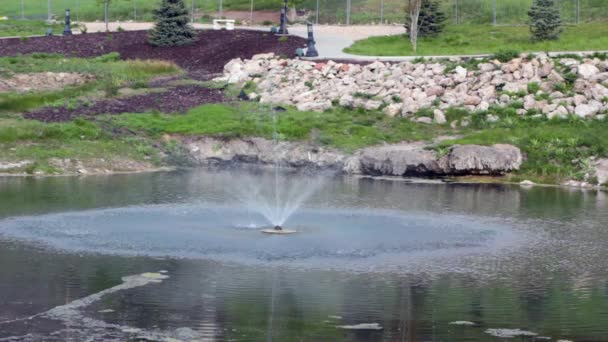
[(178, 99), (207, 56), (203, 60)]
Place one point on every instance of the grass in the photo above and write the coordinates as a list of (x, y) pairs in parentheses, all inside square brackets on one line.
[(483, 39), (342, 128), (110, 73), (363, 11), (24, 28), (76, 140), (556, 150)]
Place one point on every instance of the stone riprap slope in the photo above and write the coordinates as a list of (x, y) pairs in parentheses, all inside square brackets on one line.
[(541, 86)]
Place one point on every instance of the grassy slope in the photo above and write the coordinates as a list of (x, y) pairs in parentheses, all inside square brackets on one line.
[(110, 72), (556, 150), (32, 140), (475, 39)]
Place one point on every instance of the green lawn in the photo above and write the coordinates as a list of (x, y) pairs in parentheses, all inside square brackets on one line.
[(480, 39), (25, 28)]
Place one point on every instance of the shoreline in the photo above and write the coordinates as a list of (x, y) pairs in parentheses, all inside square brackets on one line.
[(448, 180)]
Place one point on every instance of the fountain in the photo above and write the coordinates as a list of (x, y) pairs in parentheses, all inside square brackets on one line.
[(277, 201)]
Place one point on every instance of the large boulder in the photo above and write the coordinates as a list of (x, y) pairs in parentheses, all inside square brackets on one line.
[(601, 171), (407, 159), (483, 160), (207, 151)]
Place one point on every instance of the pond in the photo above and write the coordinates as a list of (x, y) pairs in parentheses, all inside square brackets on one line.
[(179, 256)]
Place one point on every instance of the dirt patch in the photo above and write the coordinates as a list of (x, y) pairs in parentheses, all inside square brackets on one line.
[(202, 59), (42, 81), (178, 99)]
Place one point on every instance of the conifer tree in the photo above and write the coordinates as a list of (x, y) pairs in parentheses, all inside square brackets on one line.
[(431, 20), (545, 20), (172, 26)]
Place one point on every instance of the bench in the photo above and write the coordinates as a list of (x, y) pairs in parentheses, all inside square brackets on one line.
[(228, 24)]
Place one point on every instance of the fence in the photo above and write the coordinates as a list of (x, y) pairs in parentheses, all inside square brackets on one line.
[(497, 12)]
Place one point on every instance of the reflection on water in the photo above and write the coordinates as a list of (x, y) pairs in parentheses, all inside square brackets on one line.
[(554, 283)]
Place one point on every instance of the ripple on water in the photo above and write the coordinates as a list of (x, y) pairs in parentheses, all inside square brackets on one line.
[(349, 239)]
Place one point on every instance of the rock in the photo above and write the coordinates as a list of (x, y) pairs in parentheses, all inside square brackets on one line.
[(527, 183), (472, 100), (393, 109), (7, 166), (439, 117), (527, 71), (559, 113), (460, 74), (490, 160), (424, 120), (207, 151), (599, 92), (586, 110), (346, 101), (601, 171), (485, 67), (371, 105), (492, 118), (435, 91), (399, 160), (320, 106), (586, 70)]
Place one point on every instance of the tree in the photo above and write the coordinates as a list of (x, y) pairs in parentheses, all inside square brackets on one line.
[(172, 27), (431, 20), (414, 13), (545, 21), (106, 14)]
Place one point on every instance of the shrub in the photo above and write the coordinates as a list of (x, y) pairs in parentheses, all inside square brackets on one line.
[(533, 87), (431, 20), (172, 25), (545, 21), (506, 55)]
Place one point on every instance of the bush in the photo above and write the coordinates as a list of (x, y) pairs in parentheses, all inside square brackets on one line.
[(172, 25), (545, 21), (431, 20), (506, 55)]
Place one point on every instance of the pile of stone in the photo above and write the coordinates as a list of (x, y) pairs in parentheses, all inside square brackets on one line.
[(402, 89)]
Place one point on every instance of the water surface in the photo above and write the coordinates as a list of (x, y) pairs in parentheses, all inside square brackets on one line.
[(409, 257)]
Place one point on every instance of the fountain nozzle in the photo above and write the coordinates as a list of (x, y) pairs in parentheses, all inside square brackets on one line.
[(278, 228)]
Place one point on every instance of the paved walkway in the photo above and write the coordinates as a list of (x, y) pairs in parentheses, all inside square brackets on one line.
[(331, 40)]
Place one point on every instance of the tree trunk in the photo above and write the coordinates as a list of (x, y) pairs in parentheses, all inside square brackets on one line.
[(414, 9), (105, 15)]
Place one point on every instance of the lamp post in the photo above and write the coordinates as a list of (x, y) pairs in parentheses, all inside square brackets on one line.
[(67, 30), (283, 27), (311, 50)]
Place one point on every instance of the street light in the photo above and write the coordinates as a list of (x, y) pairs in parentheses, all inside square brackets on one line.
[(311, 50), (67, 30)]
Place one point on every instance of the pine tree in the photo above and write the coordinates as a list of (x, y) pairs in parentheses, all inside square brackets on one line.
[(172, 27), (545, 21), (431, 20)]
